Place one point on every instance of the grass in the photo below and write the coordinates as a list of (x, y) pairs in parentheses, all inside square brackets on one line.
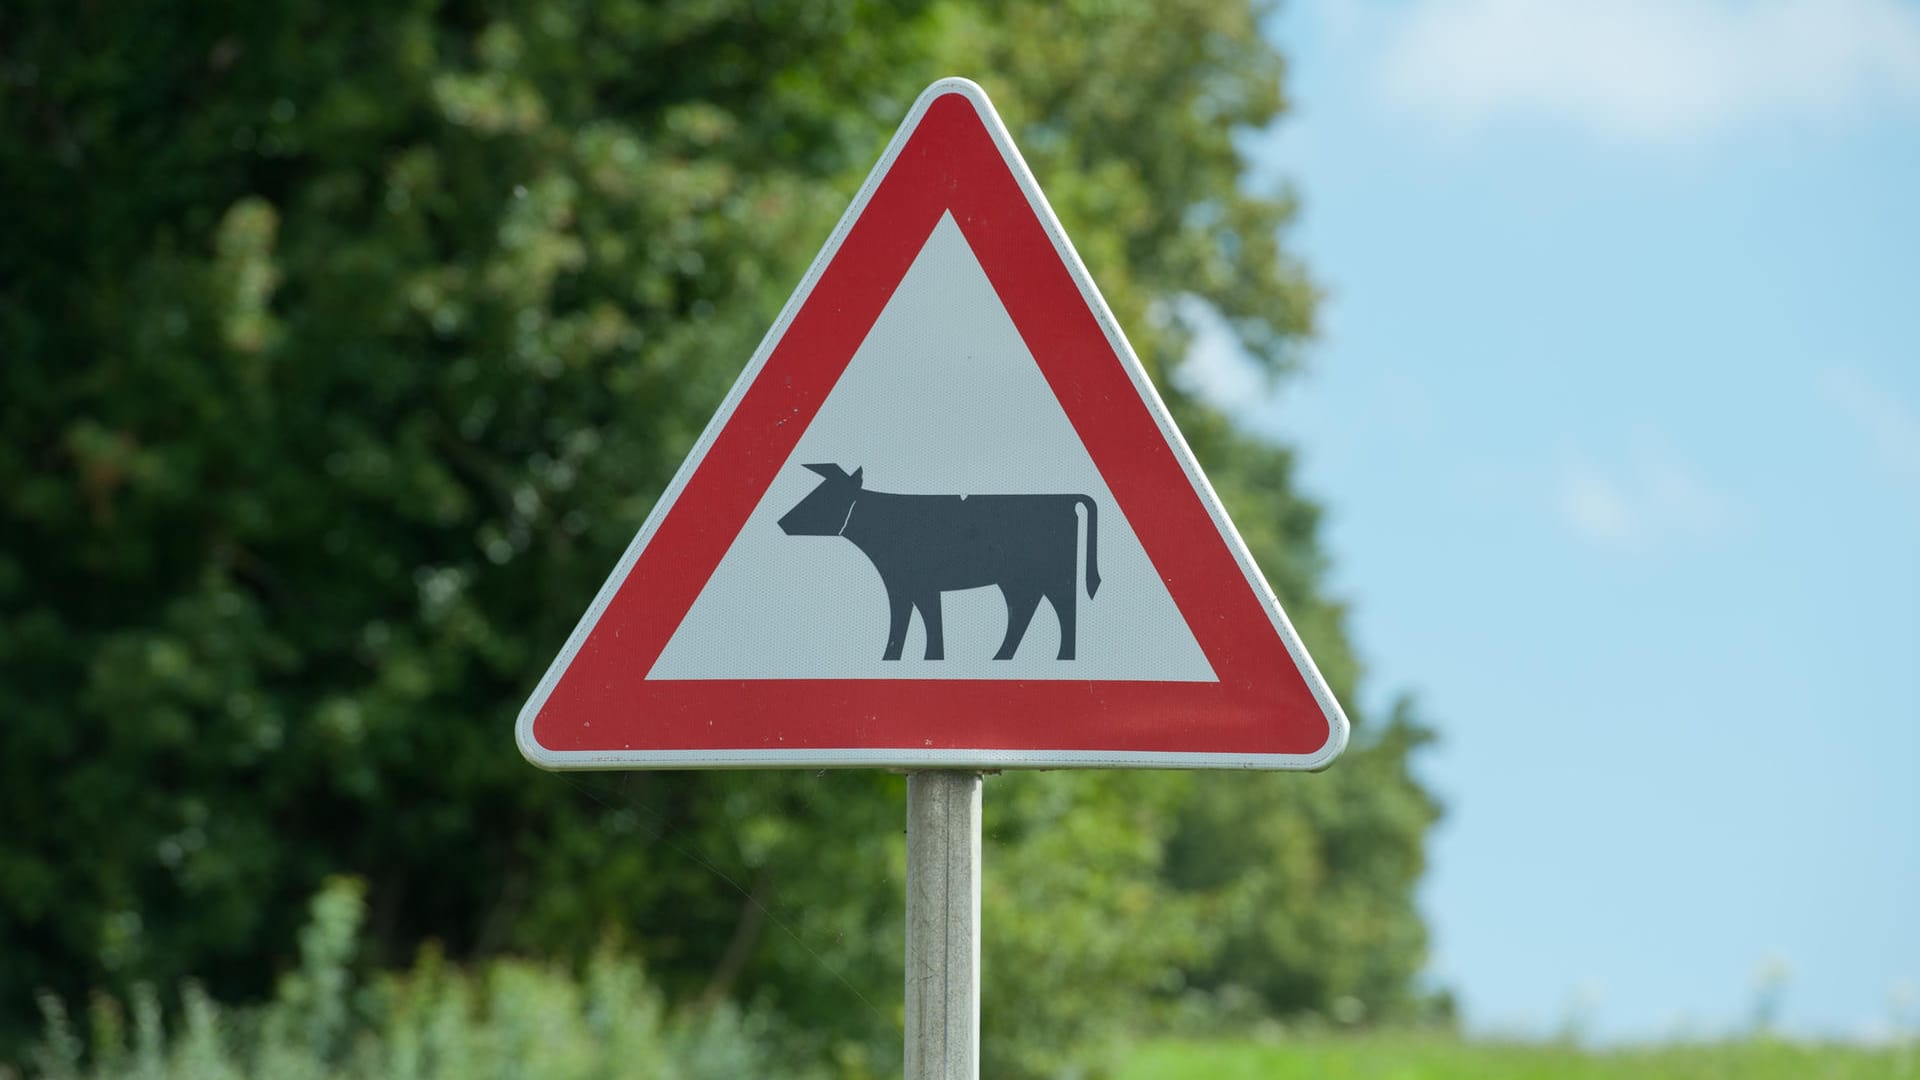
[(1436, 1057)]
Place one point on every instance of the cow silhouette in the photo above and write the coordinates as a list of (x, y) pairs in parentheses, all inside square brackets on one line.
[(925, 545)]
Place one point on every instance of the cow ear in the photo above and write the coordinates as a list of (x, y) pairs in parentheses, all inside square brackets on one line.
[(831, 472), (856, 475)]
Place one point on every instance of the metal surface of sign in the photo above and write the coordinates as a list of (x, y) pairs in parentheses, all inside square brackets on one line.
[(943, 519)]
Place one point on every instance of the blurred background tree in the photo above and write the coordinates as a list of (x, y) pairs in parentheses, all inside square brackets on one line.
[(343, 347)]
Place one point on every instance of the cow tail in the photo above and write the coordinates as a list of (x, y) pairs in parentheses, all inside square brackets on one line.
[(1093, 543)]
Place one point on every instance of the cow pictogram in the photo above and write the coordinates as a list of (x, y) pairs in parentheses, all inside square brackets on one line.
[(925, 545)]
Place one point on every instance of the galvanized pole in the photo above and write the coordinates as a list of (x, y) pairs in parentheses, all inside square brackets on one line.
[(943, 925)]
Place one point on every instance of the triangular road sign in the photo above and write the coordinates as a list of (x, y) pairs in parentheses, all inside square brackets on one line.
[(943, 519)]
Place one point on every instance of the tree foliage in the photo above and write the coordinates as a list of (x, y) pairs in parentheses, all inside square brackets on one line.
[(344, 346)]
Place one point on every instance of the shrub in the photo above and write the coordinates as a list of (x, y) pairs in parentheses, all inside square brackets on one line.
[(505, 1018)]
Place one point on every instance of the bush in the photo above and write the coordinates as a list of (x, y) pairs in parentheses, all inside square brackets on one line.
[(507, 1018)]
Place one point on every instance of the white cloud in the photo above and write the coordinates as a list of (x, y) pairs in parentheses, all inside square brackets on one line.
[(1597, 509), (1890, 425), (1652, 499), (1650, 70)]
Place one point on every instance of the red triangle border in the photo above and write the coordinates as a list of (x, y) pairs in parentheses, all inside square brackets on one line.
[(1269, 708)]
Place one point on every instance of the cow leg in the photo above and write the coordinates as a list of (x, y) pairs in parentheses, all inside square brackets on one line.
[(1020, 607), (899, 610), (1063, 607), (929, 606)]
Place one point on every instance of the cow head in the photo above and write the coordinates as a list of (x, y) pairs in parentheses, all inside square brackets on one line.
[(825, 509)]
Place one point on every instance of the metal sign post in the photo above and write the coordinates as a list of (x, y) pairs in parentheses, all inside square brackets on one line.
[(943, 925)]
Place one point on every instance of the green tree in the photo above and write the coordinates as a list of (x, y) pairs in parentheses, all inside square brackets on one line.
[(342, 349)]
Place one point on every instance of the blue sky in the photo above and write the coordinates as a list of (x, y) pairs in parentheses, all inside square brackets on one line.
[(1617, 417)]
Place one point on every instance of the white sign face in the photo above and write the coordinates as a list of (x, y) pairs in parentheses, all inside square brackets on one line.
[(943, 398), (943, 520)]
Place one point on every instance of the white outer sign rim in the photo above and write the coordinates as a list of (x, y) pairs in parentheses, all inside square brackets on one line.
[(1338, 729)]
